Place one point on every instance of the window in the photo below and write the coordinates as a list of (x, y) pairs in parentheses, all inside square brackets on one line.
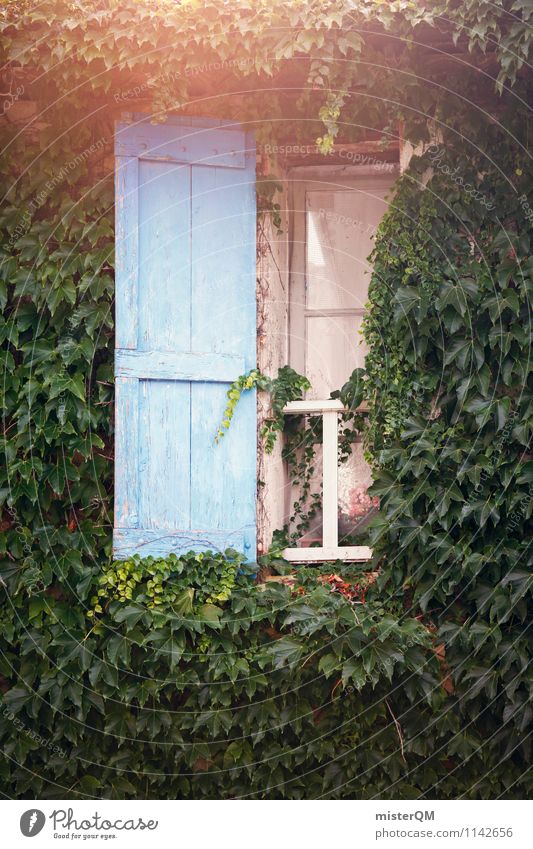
[(335, 219)]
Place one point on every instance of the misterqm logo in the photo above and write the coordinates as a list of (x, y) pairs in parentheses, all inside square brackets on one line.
[(32, 822)]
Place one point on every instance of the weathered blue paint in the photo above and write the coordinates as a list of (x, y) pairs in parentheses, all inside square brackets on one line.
[(177, 365), (185, 328), (130, 541), (195, 145)]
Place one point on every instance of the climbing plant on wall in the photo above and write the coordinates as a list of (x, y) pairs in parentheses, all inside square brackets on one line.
[(420, 690), (450, 381)]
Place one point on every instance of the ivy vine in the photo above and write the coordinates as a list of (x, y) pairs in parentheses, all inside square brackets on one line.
[(302, 434), (258, 696), (287, 386)]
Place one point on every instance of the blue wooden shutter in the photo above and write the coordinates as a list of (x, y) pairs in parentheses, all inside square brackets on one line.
[(185, 329)]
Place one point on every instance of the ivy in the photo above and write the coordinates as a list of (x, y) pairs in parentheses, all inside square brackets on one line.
[(449, 381), (301, 434), (195, 695), (178, 583), (192, 678), (287, 386), (120, 51)]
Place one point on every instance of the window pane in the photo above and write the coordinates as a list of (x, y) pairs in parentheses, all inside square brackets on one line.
[(334, 347), (355, 506), (340, 225)]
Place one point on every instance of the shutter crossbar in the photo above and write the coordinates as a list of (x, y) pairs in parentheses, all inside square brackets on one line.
[(177, 365)]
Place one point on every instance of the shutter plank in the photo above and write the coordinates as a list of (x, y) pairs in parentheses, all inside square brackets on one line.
[(126, 251), (164, 303), (223, 483), (126, 452), (164, 454)]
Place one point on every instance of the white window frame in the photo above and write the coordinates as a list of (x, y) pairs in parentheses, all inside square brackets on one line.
[(317, 178), (330, 549), (302, 180)]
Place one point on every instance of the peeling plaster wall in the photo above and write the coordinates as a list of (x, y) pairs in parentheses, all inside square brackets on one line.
[(272, 353), (407, 150)]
